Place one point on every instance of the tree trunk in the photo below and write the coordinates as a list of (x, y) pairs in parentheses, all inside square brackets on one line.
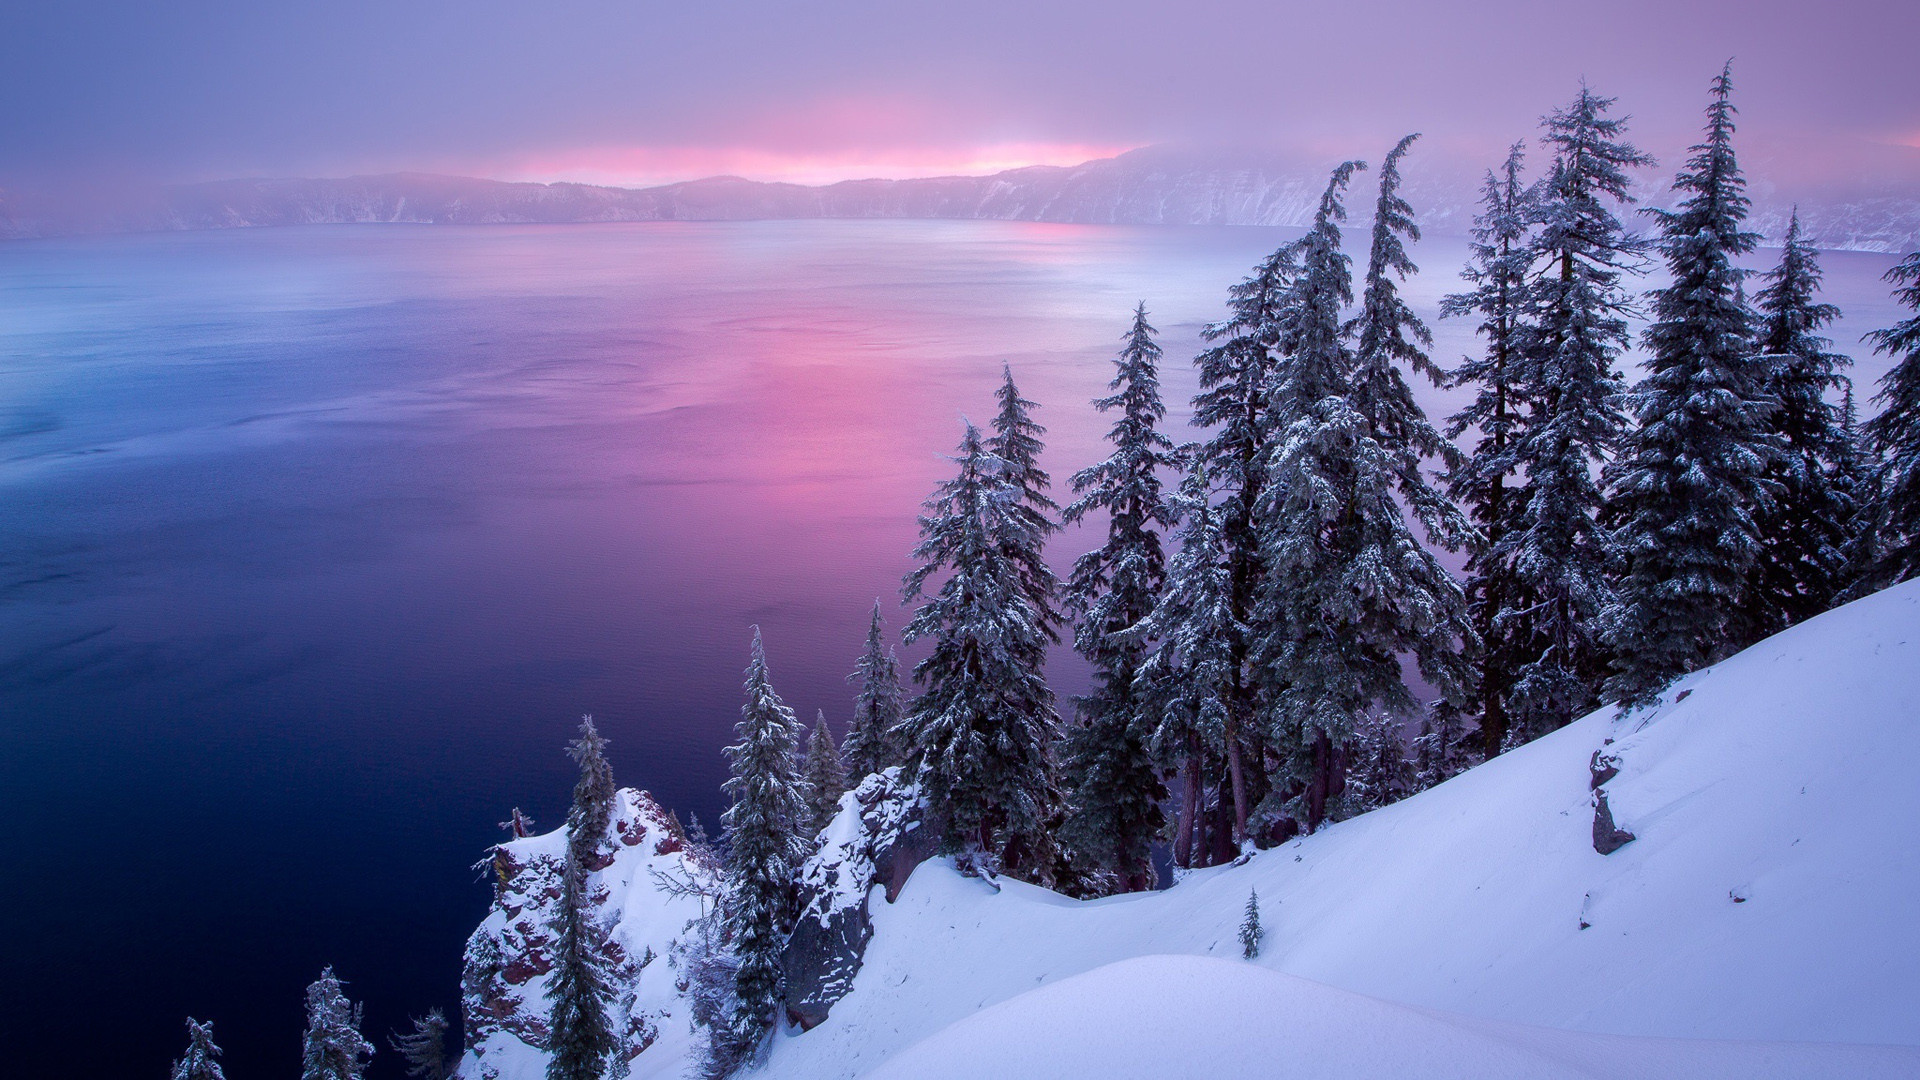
[(1189, 806), (1239, 790)]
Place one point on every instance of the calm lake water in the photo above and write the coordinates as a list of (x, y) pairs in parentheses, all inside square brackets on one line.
[(315, 543)]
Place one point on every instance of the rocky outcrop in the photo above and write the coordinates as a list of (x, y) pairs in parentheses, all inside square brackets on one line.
[(1607, 837), (876, 839), (643, 887)]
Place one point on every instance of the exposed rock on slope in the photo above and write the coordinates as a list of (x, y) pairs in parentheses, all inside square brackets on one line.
[(638, 894)]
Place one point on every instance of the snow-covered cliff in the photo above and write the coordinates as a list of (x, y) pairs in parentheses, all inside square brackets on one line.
[(645, 893)]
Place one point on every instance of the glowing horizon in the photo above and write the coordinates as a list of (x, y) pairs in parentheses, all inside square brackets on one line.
[(652, 166)]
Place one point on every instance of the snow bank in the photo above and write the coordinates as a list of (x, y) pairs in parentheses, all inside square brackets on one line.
[(1152, 1017), (1770, 895)]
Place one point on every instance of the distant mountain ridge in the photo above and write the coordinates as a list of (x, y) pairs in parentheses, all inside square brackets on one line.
[(1150, 186)]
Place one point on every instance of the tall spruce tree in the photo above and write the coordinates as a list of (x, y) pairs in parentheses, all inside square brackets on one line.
[(593, 794), (1115, 786), (1895, 436), (826, 778), (1189, 677), (199, 1063), (333, 1048), (982, 732), (1576, 314), (1486, 481), (1690, 480), (1350, 589), (1807, 531), (424, 1049), (580, 1035), (1016, 442), (765, 850), (1232, 405), (872, 744)]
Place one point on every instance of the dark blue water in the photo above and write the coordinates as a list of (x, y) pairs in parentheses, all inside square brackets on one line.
[(315, 543)]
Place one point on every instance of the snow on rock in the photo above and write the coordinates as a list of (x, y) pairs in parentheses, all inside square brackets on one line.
[(1130, 1020), (875, 839), (639, 895), (1769, 894)]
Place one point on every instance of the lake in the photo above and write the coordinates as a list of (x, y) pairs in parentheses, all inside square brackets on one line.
[(315, 544)]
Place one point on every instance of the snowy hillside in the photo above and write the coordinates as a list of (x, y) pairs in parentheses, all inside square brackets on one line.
[(1760, 922), (1770, 895)]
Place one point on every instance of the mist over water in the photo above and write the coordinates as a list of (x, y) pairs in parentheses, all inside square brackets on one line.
[(315, 543)]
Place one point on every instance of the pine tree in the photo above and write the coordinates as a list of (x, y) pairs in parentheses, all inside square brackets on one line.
[(1895, 435), (1350, 589), (981, 734), (1250, 929), (1690, 477), (1807, 531), (580, 1035), (769, 806), (1440, 751), (593, 795), (872, 744), (1576, 313), (1232, 403), (826, 779), (1378, 772), (1116, 790), (1016, 442), (1188, 679), (199, 1063), (1485, 480), (424, 1049), (709, 972), (333, 1048)]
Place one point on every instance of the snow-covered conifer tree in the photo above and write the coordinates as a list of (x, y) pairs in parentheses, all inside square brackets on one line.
[(593, 798), (199, 1063), (424, 1049), (826, 778), (1690, 478), (1016, 442), (1250, 929), (580, 1035), (1895, 435), (1807, 532), (1116, 789), (1232, 404), (1349, 588), (765, 849), (872, 745), (1485, 481), (1378, 772), (1576, 313), (333, 1048), (982, 732), (1188, 678)]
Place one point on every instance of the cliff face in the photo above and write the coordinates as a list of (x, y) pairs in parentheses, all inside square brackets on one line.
[(1150, 186), (645, 894)]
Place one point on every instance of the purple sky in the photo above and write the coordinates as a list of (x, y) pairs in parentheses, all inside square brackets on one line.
[(643, 89)]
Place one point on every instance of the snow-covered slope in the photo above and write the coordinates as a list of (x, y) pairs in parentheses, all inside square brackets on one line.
[(1222, 1018), (1771, 894)]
